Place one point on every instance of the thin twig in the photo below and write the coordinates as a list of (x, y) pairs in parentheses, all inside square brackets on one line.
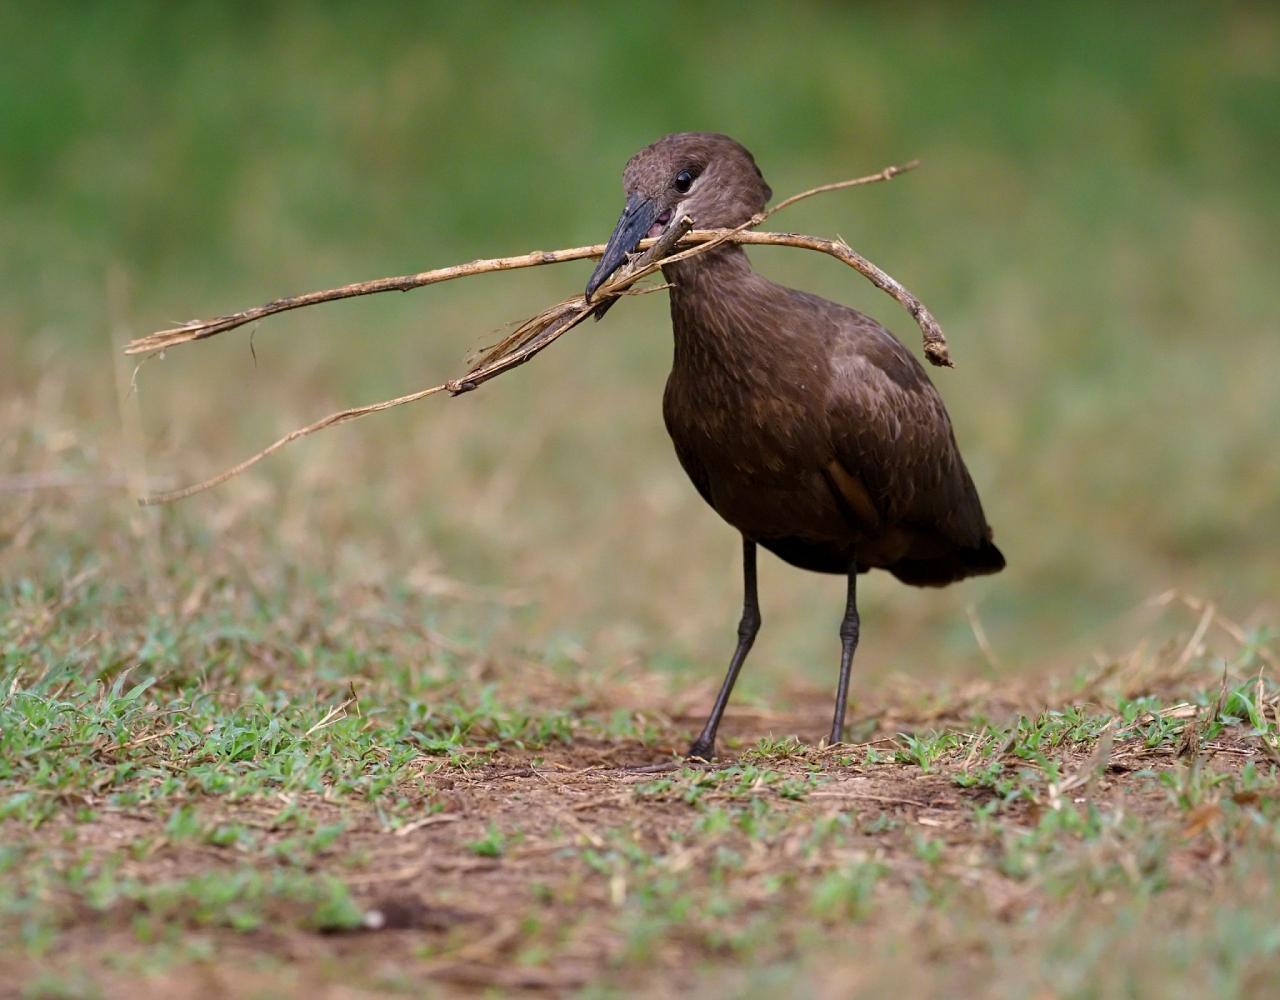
[(342, 416), (199, 329), (887, 174)]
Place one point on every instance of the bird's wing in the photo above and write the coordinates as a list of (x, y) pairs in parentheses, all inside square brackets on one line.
[(891, 437)]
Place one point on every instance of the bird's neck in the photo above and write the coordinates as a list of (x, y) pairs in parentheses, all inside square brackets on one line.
[(712, 299), (695, 278)]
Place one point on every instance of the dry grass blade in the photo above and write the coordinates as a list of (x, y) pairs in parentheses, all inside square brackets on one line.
[(543, 329), (331, 716)]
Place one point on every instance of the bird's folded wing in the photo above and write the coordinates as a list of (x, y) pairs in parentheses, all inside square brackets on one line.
[(894, 449)]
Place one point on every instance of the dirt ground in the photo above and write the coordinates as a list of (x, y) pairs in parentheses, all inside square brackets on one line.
[(607, 865)]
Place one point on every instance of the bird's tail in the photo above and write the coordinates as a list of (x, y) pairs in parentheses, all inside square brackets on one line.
[(956, 565)]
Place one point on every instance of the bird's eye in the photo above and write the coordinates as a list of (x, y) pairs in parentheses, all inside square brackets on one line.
[(684, 181)]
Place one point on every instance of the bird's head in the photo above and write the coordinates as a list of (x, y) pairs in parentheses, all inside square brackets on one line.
[(704, 175)]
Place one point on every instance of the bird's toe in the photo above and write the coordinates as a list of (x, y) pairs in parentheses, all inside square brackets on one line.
[(702, 751)]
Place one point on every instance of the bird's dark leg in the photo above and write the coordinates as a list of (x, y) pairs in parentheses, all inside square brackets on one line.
[(705, 745), (848, 644)]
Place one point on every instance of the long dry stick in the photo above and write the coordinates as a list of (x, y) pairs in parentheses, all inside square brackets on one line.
[(201, 328), (539, 332)]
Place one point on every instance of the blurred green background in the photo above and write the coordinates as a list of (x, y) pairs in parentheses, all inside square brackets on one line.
[(1096, 225)]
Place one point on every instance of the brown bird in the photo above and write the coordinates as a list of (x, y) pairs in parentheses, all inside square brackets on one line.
[(806, 425)]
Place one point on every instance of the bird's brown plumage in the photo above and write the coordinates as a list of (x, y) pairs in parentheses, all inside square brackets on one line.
[(805, 424)]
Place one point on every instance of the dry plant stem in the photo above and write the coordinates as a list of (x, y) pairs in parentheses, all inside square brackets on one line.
[(200, 329)]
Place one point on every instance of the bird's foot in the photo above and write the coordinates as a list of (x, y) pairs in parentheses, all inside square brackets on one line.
[(703, 750)]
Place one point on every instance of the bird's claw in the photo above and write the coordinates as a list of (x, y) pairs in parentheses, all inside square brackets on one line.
[(702, 751)]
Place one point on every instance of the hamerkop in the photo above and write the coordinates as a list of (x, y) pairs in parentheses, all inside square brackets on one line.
[(806, 425)]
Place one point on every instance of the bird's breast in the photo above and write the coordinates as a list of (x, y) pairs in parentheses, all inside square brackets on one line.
[(756, 457), (740, 426)]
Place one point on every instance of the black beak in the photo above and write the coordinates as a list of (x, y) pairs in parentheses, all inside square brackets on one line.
[(633, 226)]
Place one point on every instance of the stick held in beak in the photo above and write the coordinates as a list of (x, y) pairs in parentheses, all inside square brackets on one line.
[(633, 226)]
